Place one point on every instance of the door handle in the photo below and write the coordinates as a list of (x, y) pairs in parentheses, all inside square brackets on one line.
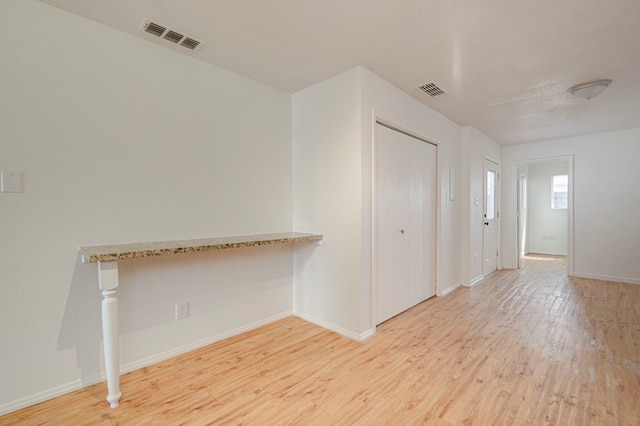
[(486, 223)]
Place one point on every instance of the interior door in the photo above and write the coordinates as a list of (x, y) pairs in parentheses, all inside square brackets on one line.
[(491, 215), (392, 222), (405, 221)]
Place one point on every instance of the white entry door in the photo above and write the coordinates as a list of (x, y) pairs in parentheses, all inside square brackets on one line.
[(405, 221), (491, 215)]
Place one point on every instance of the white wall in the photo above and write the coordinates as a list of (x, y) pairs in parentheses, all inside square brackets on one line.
[(476, 146), (333, 139), (327, 199), (546, 227), (606, 201), (122, 140)]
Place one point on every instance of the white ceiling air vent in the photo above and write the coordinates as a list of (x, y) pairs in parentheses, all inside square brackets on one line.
[(165, 33), (431, 89)]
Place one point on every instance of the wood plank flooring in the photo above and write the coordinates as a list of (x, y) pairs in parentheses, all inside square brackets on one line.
[(527, 347)]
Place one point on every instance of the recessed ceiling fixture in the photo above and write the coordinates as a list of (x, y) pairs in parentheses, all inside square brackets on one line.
[(173, 36), (431, 89), (589, 89)]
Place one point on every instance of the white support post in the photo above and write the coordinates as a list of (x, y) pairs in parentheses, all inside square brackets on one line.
[(108, 281)]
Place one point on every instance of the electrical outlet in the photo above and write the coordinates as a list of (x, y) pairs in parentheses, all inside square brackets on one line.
[(182, 310)]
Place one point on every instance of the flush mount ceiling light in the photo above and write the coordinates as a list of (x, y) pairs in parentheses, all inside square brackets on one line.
[(589, 89)]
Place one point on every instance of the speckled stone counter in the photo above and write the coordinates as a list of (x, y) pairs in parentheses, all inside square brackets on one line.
[(114, 252)]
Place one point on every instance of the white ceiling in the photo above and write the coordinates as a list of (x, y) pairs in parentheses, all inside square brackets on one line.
[(505, 65)]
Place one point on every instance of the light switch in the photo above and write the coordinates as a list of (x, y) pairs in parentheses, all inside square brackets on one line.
[(10, 181)]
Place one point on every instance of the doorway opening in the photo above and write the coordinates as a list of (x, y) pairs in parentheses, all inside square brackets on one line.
[(545, 209)]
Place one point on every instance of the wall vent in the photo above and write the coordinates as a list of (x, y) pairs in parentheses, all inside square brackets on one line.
[(431, 89), (190, 43), (173, 36)]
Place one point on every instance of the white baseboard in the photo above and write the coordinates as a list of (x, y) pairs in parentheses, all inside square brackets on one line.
[(367, 334), (476, 280), (145, 362), (75, 385), (449, 289), (48, 394), (607, 278), (336, 329)]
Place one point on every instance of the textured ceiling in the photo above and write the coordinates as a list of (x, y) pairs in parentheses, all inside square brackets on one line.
[(505, 65)]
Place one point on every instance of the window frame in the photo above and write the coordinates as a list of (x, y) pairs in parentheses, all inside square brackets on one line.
[(554, 203)]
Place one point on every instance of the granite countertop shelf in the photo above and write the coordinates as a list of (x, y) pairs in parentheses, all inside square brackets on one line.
[(115, 252)]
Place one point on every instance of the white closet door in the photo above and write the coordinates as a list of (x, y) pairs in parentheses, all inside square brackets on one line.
[(392, 223), (422, 216), (405, 213)]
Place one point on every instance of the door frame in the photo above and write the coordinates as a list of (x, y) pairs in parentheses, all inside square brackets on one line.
[(389, 124), (521, 215), (570, 210)]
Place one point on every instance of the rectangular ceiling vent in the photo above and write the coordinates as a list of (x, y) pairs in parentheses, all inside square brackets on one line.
[(431, 89), (173, 36)]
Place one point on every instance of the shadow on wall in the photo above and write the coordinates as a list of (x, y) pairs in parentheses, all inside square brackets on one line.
[(82, 322), (226, 290)]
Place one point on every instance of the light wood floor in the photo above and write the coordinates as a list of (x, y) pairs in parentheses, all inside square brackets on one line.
[(528, 347)]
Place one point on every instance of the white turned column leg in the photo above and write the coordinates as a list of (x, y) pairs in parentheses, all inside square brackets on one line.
[(108, 280)]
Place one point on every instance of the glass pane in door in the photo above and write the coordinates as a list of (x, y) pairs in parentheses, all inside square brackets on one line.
[(491, 194)]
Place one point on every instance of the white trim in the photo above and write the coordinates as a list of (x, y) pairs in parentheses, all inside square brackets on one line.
[(623, 280), (476, 280), (335, 328), (399, 129), (373, 285), (75, 385), (203, 342), (51, 393), (449, 290), (367, 334)]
